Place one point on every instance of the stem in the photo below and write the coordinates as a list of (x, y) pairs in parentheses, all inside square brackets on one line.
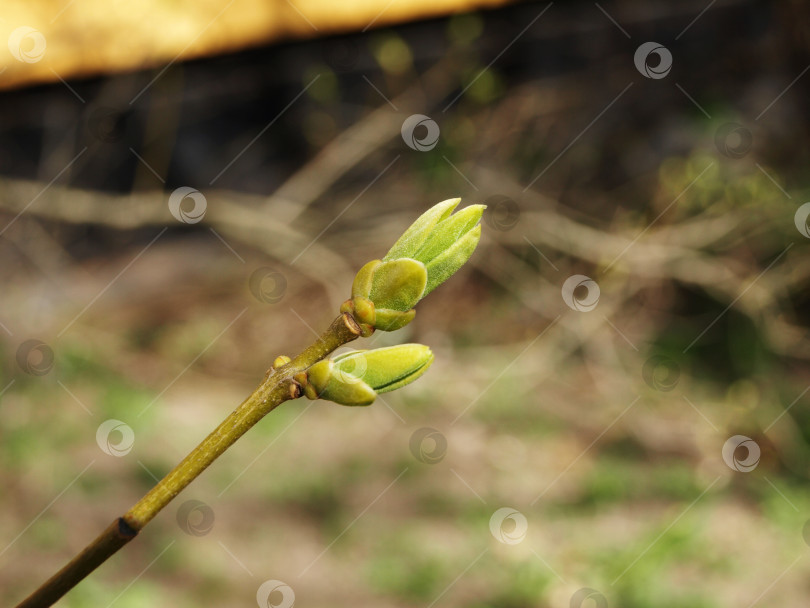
[(277, 387)]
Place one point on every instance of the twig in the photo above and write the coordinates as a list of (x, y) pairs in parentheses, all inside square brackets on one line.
[(277, 387)]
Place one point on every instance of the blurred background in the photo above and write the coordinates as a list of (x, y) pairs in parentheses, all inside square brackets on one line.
[(617, 414)]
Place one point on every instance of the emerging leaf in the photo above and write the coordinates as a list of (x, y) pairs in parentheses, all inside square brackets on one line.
[(447, 263), (448, 231), (415, 236)]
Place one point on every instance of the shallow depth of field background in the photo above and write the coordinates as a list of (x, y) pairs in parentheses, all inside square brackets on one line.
[(604, 428)]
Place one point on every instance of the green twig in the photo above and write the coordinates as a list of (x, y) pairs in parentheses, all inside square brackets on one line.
[(384, 293), (278, 386)]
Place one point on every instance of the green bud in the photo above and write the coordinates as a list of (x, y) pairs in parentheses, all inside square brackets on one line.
[(325, 381), (385, 369), (391, 320), (431, 250), (398, 284), (361, 287), (281, 361), (441, 241), (356, 377)]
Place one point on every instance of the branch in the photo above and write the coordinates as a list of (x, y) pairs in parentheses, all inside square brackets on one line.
[(278, 386), (384, 293)]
